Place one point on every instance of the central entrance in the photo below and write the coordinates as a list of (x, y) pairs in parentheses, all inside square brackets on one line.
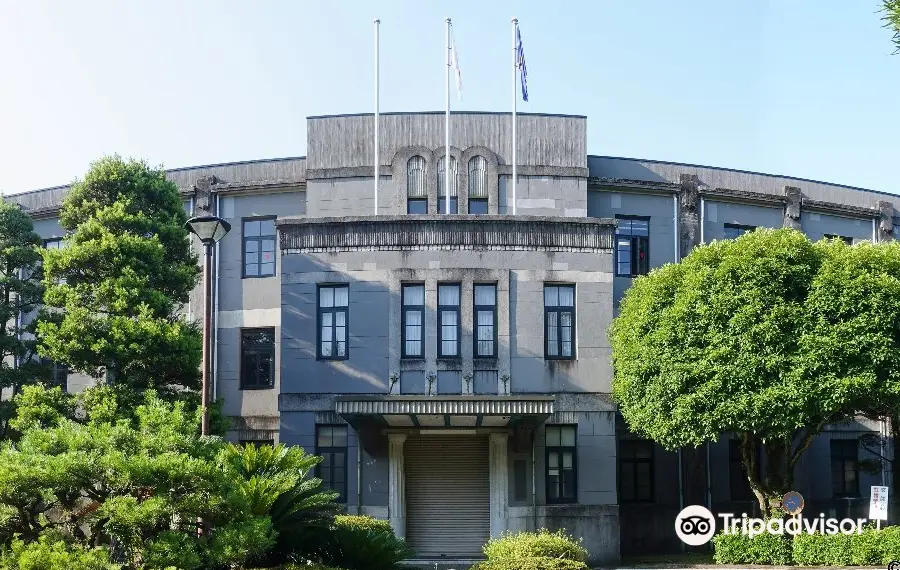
[(447, 495)]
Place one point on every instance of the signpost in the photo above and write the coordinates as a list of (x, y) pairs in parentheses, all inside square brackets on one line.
[(878, 505)]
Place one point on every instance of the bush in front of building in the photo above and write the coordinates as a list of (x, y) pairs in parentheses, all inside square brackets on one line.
[(870, 548), (359, 542), (541, 550), (53, 553), (541, 543), (761, 549)]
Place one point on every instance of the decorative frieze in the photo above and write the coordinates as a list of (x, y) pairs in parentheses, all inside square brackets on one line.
[(453, 232)]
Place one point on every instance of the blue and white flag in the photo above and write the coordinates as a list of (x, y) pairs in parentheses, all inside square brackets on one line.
[(520, 61)]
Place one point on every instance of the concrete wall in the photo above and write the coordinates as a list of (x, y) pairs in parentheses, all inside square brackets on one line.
[(717, 214), (816, 225)]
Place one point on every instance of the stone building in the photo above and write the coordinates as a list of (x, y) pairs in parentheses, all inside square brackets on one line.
[(454, 369)]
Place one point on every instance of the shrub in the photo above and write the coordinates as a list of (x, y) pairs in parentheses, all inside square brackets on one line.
[(542, 543), (47, 554), (869, 548), (530, 563), (761, 549), (363, 543)]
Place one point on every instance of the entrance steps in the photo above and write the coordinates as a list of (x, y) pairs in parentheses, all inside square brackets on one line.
[(439, 563)]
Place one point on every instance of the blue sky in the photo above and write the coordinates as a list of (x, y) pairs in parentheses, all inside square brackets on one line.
[(805, 88)]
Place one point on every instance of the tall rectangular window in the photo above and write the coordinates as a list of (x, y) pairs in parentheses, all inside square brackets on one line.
[(259, 247), (59, 373), (413, 321), (561, 464), (632, 246), (733, 231), (559, 321), (257, 358), (485, 320), (333, 319), (846, 239), (331, 446), (737, 476), (636, 471), (448, 319), (845, 467)]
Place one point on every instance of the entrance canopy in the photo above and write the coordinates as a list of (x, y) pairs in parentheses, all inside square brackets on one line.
[(444, 412)]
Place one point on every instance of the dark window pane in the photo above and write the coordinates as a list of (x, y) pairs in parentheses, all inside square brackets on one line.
[(417, 206), (478, 206)]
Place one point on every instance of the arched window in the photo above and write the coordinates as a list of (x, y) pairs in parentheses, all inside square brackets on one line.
[(442, 183), (416, 192), (478, 187)]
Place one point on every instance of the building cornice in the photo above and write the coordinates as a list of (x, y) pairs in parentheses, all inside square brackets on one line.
[(445, 232)]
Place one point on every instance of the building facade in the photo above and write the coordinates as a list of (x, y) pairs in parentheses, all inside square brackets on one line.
[(453, 370)]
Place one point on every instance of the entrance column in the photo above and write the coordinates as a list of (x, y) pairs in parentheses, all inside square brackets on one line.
[(397, 484), (499, 481)]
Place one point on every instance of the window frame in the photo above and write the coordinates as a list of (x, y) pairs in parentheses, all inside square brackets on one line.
[(259, 239), (558, 310), (633, 246), (417, 198), (454, 205), (321, 450), (635, 461), (320, 310), (475, 309), (573, 449), (56, 368), (403, 310), (243, 383), (744, 228), (441, 309), (843, 459), (839, 237)]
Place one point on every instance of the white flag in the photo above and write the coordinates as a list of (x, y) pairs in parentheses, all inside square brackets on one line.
[(454, 56)]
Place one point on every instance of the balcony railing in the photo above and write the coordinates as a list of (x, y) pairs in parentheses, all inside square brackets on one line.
[(445, 232)]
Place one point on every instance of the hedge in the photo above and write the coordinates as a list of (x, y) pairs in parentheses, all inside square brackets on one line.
[(870, 548), (536, 544)]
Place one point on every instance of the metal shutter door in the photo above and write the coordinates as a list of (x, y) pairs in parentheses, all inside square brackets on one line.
[(447, 495)]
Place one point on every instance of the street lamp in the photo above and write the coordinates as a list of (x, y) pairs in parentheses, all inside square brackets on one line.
[(209, 229)]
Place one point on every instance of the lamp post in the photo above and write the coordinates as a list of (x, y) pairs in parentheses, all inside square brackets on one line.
[(210, 229)]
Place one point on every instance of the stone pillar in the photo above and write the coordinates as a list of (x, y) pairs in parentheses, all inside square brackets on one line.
[(792, 209), (689, 214), (499, 481), (885, 225), (397, 484)]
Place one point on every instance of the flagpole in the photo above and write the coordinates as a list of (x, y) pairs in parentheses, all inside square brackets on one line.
[(447, 128), (377, 26), (515, 26)]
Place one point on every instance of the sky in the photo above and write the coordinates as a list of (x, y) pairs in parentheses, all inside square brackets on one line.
[(805, 88)]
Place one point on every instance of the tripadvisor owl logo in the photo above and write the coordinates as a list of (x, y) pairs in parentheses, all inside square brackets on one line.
[(696, 525)]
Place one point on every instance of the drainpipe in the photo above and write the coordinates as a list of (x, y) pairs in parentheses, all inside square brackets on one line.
[(874, 230), (675, 225), (533, 483), (359, 471), (215, 383), (702, 220)]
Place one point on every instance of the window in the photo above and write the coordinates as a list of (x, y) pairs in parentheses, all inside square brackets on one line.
[(478, 187), (442, 183), (259, 247), (636, 471), (331, 445), (257, 358), (845, 467), (334, 301), (54, 243), (733, 231), (448, 317), (561, 464), (737, 475), (632, 246), (416, 192), (413, 325), (485, 321), (559, 321), (846, 239), (59, 373)]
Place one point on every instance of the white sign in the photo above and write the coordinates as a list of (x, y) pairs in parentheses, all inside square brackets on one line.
[(878, 504)]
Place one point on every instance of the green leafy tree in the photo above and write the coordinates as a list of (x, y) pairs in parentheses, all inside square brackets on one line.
[(891, 18), (20, 293), (119, 283), (769, 337)]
